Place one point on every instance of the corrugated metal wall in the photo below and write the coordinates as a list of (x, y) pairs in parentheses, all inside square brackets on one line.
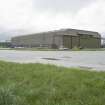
[(67, 41), (75, 41), (90, 42), (66, 38), (84, 41)]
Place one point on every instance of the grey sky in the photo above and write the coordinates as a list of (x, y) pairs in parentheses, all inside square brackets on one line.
[(61, 5), (30, 16)]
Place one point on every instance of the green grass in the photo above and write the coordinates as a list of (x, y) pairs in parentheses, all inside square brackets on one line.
[(94, 49), (88, 49), (34, 49), (47, 49), (39, 84)]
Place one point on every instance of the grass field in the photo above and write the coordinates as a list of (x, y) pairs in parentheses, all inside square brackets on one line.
[(38, 84), (34, 49), (47, 49)]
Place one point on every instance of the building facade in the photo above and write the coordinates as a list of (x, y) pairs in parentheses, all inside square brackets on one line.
[(67, 38)]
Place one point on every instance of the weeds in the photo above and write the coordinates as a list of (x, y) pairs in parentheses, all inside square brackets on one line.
[(39, 84)]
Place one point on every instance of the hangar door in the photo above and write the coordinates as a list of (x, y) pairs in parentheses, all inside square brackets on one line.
[(75, 41), (67, 41), (70, 41)]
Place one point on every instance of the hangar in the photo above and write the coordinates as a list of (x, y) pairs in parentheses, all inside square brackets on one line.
[(67, 38)]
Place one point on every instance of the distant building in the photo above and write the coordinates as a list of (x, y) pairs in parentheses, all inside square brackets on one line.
[(67, 38)]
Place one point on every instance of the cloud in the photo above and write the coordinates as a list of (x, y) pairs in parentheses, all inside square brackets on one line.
[(59, 6), (92, 17), (29, 16), (14, 14)]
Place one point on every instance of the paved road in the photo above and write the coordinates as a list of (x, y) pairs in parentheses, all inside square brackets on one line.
[(83, 59)]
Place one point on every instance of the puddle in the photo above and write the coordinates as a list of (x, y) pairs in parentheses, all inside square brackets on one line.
[(85, 67), (50, 58), (66, 57)]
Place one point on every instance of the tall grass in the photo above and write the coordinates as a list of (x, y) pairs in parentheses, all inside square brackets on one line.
[(38, 84), (7, 97)]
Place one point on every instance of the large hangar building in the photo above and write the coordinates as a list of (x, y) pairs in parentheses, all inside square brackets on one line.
[(67, 38)]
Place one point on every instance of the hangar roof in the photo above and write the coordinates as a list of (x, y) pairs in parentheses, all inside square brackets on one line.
[(72, 32), (75, 32)]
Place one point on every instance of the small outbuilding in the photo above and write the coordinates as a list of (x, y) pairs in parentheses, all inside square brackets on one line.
[(67, 38)]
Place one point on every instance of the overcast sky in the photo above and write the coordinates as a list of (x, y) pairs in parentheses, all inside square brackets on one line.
[(31, 16)]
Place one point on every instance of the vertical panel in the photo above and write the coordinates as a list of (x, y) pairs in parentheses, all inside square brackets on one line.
[(75, 41), (89, 42), (67, 41)]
